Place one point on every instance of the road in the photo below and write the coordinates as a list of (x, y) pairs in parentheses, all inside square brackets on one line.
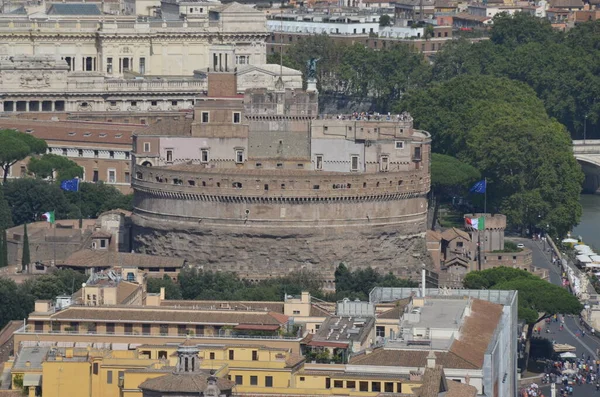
[(588, 344)]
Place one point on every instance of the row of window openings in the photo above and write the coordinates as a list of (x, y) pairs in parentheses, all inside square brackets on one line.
[(237, 117), (126, 65), (152, 103), (388, 387), (111, 154), (204, 154), (239, 380), (34, 106)]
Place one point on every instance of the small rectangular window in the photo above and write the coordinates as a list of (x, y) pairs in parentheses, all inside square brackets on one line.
[(204, 155), (319, 162), (354, 163), (146, 147), (169, 155), (253, 380), (95, 369), (350, 384), (254, 355), (364, 386), (212, 355), (239, 380), (112, 176), (109, 377), (237, 117), (376, 386), (127, 177), (111, 154), (268, 381), (239, 156), (173, 103), (80, 152), (232, 354), (64, 152), (133, 103), (338, 384), (205, 117), (399, 144)]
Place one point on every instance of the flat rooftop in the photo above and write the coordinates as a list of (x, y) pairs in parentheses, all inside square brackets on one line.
[(438, 314)]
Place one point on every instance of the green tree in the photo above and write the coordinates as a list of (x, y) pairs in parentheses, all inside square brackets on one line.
[(385, 20), (5, 215), (29, 198), (521, 28), (3, 262), (486, 279), (172, 290), (449, 177), (16, 146), (97, 198), (499, 126), (50, 165), (14, 303), (5, 248), (25, 258), (539, 300)]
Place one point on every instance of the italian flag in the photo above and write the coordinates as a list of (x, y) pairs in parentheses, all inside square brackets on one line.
[(475, 223), (48, 216)]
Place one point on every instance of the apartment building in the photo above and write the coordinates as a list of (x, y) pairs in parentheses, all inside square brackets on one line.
[(102, 149)]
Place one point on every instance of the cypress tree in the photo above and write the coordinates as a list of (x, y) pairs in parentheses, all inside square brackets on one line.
[(25, 259), (2, 256), (5, 247)]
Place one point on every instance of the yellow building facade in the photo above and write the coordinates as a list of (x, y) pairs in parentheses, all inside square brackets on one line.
[(256, 370)]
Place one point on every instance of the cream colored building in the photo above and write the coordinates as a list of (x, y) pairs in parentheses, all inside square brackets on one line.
[(71, 57)]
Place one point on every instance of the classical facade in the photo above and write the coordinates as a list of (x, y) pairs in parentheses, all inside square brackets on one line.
[(261, 185), (76, 60)]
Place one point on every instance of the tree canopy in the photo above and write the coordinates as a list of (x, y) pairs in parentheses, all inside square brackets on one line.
[(538, 299), (5, 215), (29, 198), (16, 146), (51, 165), (500, 127), (17, 301), (360, 282)]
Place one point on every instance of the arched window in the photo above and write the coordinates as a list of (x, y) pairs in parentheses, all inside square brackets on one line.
[(147, 164)]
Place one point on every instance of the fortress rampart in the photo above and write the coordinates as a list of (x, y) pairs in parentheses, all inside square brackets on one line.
[(267, 223)]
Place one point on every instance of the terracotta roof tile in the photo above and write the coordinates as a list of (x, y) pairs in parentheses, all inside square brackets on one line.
[(184, 383), (293, 360), (433, 382), (154, 314), (101, 258), (477, 331), (457, 389), (432, 235), (125, 290), (316, 311), (409, 358), (452, 233), (395, 313), (73, 131)]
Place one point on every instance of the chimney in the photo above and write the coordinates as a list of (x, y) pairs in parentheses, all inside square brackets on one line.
[(431, 360)]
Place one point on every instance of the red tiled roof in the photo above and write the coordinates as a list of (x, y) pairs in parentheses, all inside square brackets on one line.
[(476, 332), (71, 131)]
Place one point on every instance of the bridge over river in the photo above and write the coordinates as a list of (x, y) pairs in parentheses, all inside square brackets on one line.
[(587, 153)]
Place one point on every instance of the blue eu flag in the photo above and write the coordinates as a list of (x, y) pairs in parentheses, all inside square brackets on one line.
[(70, 185), (479, 187)]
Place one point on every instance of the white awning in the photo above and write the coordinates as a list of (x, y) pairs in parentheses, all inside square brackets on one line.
[(32, 380), (582, 247), (584, 259), (591, 265)]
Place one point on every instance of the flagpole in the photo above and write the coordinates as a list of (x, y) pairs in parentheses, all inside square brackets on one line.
[(485, 195), (54, 227), (79, 196)]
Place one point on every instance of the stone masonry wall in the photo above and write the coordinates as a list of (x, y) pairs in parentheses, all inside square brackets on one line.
[(258, 252)]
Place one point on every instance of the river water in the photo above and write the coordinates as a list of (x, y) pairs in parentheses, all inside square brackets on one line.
[(589, 228)]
